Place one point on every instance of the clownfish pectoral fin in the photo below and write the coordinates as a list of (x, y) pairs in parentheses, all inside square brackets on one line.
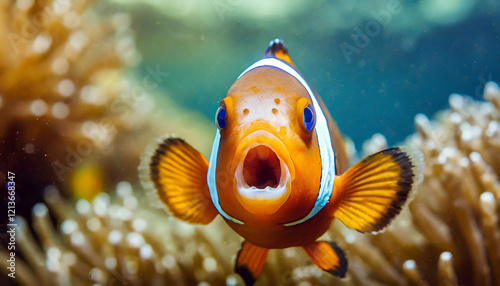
[(277, 49), (372, 192), (249, 262), (179, 173), (328, 256)]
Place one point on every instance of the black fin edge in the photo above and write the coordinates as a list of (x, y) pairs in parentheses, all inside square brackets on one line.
[(242, 270), (405, 184), (245, 274), (174, 147), (161, 150), (274, 46), (342, 269)]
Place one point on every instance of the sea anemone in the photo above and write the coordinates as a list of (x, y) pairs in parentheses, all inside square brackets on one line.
[(450, 233), (60, 77), (117, 239), (72, 114)]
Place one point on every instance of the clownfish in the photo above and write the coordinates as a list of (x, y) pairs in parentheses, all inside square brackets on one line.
[(278, 171)]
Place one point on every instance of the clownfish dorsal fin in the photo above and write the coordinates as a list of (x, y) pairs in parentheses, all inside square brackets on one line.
[(249, 262), (328, 256), (373, 191), (277, 49), (177, 173)]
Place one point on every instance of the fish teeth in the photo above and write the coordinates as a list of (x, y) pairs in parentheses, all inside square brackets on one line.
[(268, 188)]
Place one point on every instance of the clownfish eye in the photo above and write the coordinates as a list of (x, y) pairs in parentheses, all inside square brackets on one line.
[(220, 117), (309, 117)]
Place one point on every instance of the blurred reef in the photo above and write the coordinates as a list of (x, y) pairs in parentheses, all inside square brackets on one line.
[(449, 234), (72, 113)]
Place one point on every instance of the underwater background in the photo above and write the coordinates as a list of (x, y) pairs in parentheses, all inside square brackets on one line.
[(406, 58), (86, 85)]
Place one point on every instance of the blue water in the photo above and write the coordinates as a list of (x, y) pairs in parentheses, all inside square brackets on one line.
[(409, 66)]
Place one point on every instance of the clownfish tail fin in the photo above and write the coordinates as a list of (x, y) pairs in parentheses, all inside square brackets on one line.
[(277, 49), (328, 256), (373, 191), (249, 262), (176, 173)]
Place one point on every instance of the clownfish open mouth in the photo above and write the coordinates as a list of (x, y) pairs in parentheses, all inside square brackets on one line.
[(264, 173), (261, 168)]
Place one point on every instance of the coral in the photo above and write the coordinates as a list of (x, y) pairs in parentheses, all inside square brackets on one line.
[(449, 234), (60, 74), (118, 239), (72, 114)]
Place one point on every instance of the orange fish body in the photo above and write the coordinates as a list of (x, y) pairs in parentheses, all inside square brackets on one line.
[(276, 171), (266, 100)]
